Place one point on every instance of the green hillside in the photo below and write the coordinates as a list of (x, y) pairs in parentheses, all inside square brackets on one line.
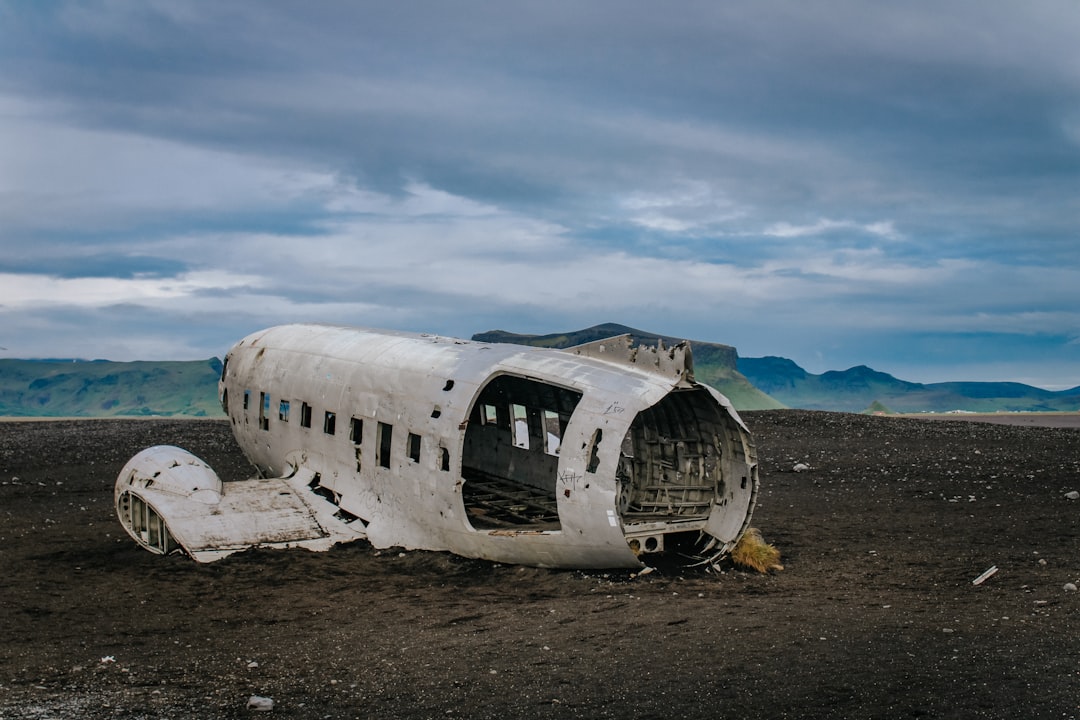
[(860, 388), (714, 363), (69, 388)]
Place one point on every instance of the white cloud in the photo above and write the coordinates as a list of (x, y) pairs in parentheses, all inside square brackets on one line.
[(372, 167), (883, 229), (23, 291), (420, 200), (689, 207)]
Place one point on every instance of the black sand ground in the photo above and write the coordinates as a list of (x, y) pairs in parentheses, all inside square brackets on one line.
[(875, 615)]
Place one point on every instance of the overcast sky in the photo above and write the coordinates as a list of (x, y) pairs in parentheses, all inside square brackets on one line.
[(840, 183)]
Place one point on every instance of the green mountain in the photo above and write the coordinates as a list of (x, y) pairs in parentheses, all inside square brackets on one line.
[(876, 408), (76, 388), (861, 388), (714, 363)]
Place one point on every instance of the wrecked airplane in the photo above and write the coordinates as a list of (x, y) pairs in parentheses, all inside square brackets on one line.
[(597, 456)]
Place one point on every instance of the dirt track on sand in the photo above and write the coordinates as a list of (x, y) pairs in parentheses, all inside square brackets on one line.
[(875, 614)]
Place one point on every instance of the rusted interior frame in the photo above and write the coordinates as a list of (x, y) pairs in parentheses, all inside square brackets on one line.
[(146, 523), (494, 503), (670, 466)]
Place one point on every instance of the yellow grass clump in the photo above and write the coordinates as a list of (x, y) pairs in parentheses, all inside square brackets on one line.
[(753, 553)]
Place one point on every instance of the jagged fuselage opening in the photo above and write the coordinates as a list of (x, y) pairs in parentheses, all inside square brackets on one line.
[(683, 483), (669, 465), (682, 458), (510, 458)]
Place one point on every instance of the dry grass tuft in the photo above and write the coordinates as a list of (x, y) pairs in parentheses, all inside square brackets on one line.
[(753, 553)]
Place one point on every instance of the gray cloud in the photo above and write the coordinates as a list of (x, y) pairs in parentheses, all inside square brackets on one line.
[(833, 182)]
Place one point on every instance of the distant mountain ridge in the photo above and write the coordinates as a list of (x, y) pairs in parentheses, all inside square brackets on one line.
[(775, 382), (859, 388), (101, 388), (714, 363)]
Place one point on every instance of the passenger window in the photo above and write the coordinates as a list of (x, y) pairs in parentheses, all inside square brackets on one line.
[(283, 411), (329, 423), (264, 411), (305, 415), (385, 438), (490, 416), (552, 432), (414, 447), (444, 459), (520, 418), (247, 399), (356, 437)]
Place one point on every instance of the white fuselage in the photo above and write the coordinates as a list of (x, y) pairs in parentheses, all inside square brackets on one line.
[(509, 453)]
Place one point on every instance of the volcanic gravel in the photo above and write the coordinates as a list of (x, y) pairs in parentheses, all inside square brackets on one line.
[(874, 616)]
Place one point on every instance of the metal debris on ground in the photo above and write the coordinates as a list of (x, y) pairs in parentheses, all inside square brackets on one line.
[(985, 576)]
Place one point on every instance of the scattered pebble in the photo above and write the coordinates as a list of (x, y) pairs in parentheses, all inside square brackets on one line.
[(1069, 587), (800, 467), (260, 704), (1073, 495)]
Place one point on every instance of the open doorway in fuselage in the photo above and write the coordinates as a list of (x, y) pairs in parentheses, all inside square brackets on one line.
[(510, 460)]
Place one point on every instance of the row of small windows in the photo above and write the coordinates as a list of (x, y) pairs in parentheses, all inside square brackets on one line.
[(550, 428), (384, 431)]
